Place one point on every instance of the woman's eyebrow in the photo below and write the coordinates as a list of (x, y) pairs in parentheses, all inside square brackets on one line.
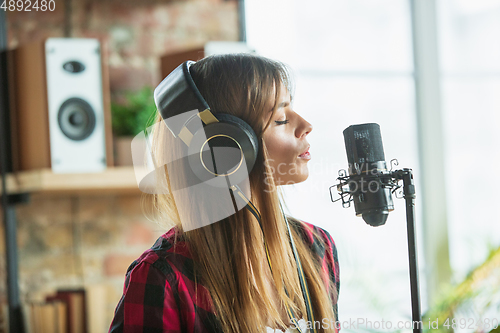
[(283, 104)]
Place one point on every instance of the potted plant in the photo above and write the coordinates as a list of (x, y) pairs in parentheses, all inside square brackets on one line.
[(128, 119), (475, 299), (471, 305)]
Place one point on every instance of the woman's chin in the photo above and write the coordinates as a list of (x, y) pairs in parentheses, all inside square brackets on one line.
[(293, 180)]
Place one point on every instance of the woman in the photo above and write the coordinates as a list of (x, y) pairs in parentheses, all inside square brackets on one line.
[(217, 278)]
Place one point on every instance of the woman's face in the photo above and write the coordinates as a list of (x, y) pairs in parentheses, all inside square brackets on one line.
[(286, 142)]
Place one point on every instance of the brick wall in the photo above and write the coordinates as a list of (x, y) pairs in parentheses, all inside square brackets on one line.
[(72, 241), (137, 32)]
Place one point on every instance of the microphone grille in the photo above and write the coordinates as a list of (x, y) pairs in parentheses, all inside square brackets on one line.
[(363, 143)]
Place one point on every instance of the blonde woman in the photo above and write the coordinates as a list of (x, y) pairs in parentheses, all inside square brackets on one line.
[(237, 274)]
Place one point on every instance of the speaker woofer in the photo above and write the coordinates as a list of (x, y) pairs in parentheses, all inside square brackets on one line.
[(76, 119)]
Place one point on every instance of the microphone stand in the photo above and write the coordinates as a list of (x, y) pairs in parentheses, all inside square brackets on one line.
[(409, 195), (390, 180)]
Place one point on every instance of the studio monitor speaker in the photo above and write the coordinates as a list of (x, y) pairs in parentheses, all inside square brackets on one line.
[(59, 102)]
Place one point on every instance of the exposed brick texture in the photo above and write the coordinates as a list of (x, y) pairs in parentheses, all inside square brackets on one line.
[(116, 264), (73, 241), (137, 32)]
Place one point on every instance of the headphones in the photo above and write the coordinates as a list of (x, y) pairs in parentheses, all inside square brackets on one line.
[(217, 145)]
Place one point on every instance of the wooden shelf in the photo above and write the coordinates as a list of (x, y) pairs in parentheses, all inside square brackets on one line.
[(116, 179)]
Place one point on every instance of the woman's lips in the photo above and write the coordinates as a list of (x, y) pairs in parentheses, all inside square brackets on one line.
[(305, 155)]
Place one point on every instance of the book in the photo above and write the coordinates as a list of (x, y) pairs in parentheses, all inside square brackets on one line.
[(43, 318), (4, 316), (75, 309), (96, 295), (61, 316)]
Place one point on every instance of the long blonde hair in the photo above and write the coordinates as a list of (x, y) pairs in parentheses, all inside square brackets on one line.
[(229, 255)]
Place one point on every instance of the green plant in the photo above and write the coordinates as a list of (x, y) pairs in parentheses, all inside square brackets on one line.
[(472, 301), (473, 298), (135, 115)]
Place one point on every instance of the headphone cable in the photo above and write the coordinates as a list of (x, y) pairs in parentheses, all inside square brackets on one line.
[(303, 284)]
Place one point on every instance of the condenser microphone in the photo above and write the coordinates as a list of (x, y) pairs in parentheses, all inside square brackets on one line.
[(368, 173)]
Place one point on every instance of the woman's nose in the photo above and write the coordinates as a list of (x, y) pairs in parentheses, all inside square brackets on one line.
[(304, 128)]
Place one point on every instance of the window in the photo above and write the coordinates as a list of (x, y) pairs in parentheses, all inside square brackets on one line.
[(353, 64)]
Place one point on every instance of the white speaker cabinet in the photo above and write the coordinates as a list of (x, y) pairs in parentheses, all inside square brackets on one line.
[(60, 106)]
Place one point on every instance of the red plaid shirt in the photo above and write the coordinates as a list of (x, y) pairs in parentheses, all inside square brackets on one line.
[(160, 294)]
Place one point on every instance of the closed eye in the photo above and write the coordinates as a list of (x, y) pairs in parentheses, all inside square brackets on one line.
[(281, 122)]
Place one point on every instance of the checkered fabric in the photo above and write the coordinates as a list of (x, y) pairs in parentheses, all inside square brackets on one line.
[(161, 294)]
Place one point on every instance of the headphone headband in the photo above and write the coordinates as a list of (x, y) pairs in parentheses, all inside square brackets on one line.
[(177, 94)]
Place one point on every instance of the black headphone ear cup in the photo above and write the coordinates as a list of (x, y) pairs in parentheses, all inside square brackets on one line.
[(249, 134), (220, 148)]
